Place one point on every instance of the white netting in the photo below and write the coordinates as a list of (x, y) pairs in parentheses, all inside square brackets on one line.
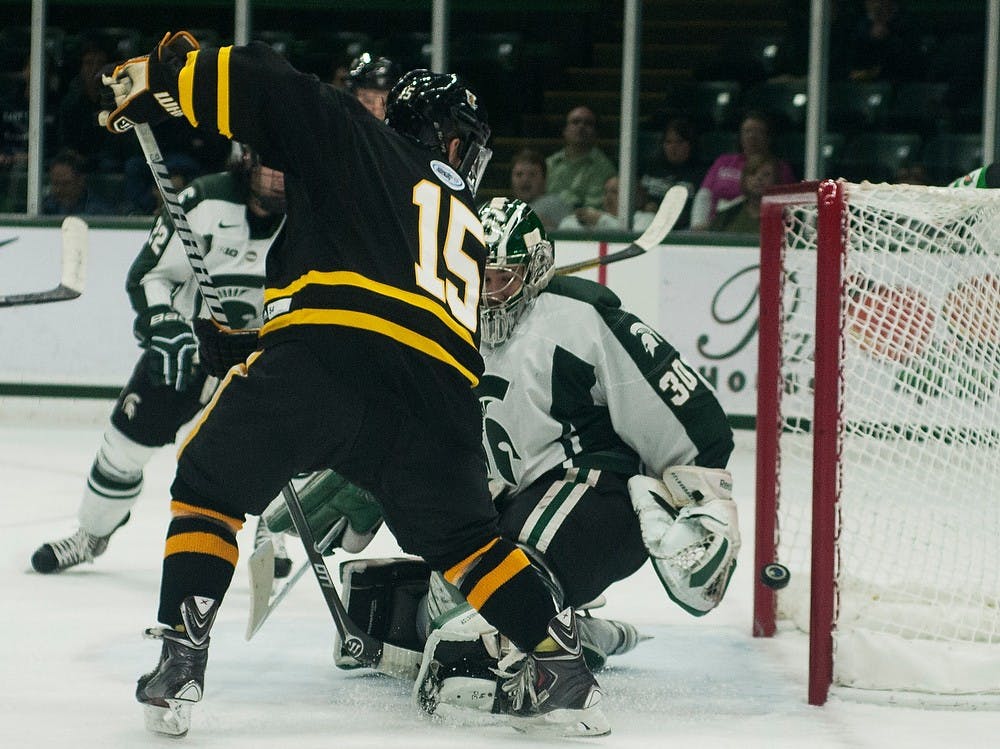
[(918, 551)]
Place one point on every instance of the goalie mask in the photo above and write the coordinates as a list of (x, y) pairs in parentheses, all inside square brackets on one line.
[(431, 109), (519, 262)]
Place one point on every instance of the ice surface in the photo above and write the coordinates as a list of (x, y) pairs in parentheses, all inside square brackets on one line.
[(71, 647)]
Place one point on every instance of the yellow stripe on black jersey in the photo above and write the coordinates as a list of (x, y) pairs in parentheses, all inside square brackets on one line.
[(350, 299)]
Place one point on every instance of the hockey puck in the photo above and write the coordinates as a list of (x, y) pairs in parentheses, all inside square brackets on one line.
[(775, 576)]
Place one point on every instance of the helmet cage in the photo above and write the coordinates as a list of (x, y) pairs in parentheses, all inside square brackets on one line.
[(515, 241)]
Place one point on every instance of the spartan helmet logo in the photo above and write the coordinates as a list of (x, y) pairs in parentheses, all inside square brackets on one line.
[(646, 335)]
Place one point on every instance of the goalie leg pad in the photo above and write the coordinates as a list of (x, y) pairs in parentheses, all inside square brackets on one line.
[(382, 596), (690, 527)]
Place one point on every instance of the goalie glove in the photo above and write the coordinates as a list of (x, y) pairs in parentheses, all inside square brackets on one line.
[(222, 348), (144, 89), (170, 346), (327, 499), (690, 528)]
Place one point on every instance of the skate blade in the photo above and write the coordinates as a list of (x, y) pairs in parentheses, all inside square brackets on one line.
[(467, 693), (588, 723), (172, 720)]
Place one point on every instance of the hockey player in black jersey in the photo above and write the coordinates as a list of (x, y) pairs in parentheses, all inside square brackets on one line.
[(371, 79), (370, 353)]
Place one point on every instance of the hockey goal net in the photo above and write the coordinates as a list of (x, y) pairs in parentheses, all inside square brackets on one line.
[(878, 429)]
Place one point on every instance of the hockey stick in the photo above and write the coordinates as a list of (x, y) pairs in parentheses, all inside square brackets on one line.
[(73, 267), (666, 216), (260, 567), (195, 252), (365, 649)]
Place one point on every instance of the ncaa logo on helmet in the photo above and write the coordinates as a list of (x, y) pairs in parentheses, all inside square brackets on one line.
[(447, 175)]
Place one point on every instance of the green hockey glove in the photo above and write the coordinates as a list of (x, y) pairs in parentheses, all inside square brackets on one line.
[(170, 346), (326, 498)]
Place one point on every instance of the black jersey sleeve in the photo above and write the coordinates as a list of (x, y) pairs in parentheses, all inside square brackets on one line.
[(253, 95)]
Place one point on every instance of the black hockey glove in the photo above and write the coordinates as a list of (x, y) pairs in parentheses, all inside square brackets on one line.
[(223, 348), (144, 89), (170, 344)]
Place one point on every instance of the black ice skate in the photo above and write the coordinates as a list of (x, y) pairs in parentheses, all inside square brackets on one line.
[(178, 681), (554, 692), (56, 556)]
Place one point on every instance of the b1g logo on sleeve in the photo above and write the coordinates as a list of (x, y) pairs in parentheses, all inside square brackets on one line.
[(447, 175)]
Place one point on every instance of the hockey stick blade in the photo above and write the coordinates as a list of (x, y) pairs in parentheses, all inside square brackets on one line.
[(73, 268), (260, 567), (666, 216)]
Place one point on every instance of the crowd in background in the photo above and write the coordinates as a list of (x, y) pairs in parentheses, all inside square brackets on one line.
[(573, 187)]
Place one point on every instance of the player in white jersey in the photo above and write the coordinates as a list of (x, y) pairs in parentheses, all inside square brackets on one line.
[(987, 176), (578, 397), (605, 448), (237, 215)]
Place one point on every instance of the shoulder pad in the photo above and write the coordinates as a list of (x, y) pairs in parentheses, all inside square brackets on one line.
[(583, 290)]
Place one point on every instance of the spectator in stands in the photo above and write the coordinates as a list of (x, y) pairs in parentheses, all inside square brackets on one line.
[(14, 131), (885, 44), (68, 192), (791, 62), (608, 215), (77, 119), (743, 215), (578, 171), (911, 172), (189, 152), (527, 182), (721, 184), (674, 164)]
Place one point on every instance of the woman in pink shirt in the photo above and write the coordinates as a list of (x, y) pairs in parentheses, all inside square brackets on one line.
[(721, 185)]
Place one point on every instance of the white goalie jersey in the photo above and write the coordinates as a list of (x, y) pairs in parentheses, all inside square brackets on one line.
[(235, 250), (582, 383)]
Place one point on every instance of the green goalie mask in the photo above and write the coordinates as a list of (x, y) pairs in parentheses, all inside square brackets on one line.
[(519, 264)]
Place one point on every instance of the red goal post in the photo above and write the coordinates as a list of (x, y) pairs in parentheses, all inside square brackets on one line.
[(878, 436)]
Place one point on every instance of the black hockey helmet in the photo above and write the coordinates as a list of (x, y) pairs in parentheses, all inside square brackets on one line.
[(432, 108), (379, 73), (264, 184)]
